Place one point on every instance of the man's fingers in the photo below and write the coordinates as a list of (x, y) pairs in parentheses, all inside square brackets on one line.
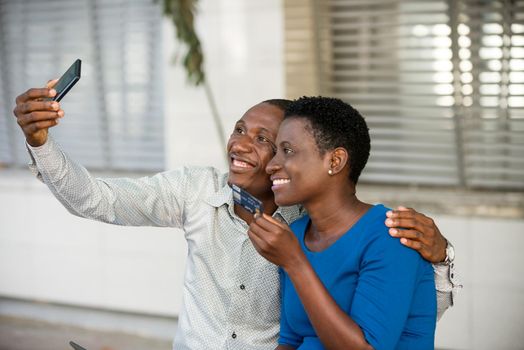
[(33, 128), (408, 220), (34, 117), (408, 213), (31, 106), (412, 244), (403, 208), (35, 94), (410, 234), (400, 209), (402, 213), (51, 83), (405, 223)]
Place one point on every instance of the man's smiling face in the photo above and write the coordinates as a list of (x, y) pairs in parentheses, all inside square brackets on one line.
[(251, 146)]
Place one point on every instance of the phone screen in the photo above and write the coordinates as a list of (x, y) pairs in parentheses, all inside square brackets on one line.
[(67, 80)]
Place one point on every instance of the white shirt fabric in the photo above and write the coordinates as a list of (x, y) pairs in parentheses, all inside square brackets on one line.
[(231, 293)]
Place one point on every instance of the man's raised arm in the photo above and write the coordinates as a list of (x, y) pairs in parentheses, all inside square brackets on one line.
[(149, 201)]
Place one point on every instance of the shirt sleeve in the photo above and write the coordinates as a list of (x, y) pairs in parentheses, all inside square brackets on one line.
[(447, 283), (385, 293), (148, 201), (287, 335)]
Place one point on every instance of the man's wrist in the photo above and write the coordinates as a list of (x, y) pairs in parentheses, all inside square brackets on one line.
[(35, 144), (449, 254)]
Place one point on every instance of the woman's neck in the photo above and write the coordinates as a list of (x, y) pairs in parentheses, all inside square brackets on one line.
[(334, 215)]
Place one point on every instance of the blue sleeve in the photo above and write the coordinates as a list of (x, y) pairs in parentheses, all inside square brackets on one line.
[(389, 273), (287, 335)]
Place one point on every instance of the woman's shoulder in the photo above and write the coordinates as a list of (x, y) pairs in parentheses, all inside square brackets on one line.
[(377, 234), (379, 247), (373, 223)]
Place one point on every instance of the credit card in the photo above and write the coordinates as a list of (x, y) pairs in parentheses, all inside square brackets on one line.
[(246, 200)]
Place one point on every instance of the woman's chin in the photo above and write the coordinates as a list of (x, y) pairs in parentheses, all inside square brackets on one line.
[(281, 201)]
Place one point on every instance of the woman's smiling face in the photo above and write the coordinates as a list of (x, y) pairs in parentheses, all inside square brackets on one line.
[(298, 170)]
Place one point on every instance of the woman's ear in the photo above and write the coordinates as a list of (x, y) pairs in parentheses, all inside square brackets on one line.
[(338, 160)]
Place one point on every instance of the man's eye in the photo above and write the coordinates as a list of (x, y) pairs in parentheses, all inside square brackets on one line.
[(239, 130), (287, 150), (265, 140)]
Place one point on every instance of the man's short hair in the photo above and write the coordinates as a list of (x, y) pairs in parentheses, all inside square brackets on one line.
[(281, 103)]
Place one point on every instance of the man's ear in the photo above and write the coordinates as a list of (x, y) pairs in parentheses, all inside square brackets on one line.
[(338, 159)]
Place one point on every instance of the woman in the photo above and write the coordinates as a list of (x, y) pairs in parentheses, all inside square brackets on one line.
[(346, 283)]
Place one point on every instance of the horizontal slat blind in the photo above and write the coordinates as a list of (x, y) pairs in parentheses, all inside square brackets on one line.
[(491, 51), (391, 60), (114, 115), (300, 42), (441, 84)]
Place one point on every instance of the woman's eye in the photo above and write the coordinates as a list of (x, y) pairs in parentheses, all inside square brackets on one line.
[(287, 150), (239, 130), (263, 139)]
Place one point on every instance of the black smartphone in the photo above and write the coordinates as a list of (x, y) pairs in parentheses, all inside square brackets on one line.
[(67, 80), (76, 346)]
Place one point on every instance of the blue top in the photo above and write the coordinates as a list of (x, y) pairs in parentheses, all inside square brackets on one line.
[(385, 287)]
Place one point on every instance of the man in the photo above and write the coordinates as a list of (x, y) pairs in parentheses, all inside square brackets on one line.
[(231, 293)]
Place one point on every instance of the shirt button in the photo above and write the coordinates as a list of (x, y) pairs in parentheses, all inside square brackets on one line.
[(242, 287), (233, 335)]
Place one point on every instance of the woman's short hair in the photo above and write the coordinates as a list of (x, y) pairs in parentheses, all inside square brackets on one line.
[(335, 123)]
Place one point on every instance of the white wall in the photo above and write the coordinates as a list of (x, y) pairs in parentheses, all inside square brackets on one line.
[(489, 311), (243, 45), (48, 254)]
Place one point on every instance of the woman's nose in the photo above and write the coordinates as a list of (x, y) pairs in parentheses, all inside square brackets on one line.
[(273, 165)]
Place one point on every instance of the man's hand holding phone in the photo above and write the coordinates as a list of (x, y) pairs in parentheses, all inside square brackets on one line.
[(36, 109), (36, 115)]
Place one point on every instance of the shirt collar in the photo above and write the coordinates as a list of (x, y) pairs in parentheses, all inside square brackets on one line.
[(289, 214), (223, 196)]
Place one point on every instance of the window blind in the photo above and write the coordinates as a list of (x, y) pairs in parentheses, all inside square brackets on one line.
[(114, 114), (440, 83), (490, 44), (387, 71)]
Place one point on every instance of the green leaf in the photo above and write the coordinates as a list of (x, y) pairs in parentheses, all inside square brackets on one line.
[(182, 13)]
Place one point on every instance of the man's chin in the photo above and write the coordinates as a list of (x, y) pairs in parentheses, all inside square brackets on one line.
[(237, 179)]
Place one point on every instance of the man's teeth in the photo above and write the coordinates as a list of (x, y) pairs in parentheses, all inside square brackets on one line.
[(241, 164), (280, 181)]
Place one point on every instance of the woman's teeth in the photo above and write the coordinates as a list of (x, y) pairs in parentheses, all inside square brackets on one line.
[(280, 181)]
